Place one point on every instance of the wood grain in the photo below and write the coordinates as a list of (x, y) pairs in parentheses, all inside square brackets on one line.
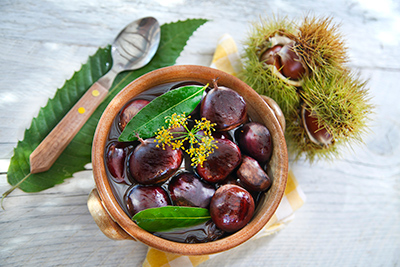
[(43, 157), (352, 213)]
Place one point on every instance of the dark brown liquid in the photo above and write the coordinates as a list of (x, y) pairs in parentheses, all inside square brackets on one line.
[(202, 233)]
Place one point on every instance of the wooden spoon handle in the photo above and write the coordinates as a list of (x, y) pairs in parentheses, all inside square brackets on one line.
[(43, 157)]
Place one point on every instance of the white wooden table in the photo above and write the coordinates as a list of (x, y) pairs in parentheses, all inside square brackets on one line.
[(352, 213)]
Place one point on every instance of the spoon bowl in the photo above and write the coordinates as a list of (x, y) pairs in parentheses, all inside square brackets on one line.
[(133, 47)]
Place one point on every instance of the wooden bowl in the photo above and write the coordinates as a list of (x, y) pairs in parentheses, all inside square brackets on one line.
[(112, 219)]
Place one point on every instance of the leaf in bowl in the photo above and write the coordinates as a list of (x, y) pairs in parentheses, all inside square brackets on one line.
[(170, 217), (152, 116)]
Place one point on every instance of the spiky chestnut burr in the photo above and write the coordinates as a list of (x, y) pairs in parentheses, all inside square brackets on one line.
[(324, 103)]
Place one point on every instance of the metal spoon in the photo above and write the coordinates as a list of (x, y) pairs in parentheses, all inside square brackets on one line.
[(132, 49)]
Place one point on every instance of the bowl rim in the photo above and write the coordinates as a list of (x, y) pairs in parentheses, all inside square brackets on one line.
[(203, 74)]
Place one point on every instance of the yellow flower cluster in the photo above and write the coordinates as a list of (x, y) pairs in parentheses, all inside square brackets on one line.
[(201, 143)]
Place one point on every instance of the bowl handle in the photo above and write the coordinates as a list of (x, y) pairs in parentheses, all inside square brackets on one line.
[(277, 111), (103, 220)]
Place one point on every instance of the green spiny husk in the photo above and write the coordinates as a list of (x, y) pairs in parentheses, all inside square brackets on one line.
[(299, 143), (262, 79), (259, 39), (266, 83), (341, 100), (320, 43), (338, 96)]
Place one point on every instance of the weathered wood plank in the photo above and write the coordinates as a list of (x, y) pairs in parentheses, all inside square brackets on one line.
[(352, 213)]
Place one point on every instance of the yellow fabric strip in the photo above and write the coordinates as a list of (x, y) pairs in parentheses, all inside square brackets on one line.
[(291, 183), (156, 258), (226, 56)]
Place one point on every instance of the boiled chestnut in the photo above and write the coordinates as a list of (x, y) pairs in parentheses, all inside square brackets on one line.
[(151, 164), (231, 208), (140, 197), (254, 140), (217, 135), (224, 107), (130, 111), (221, 162), (222, 135), (195, 114), (231, 179), (252, 176), (187, 83), (186, 189), (115, 161)]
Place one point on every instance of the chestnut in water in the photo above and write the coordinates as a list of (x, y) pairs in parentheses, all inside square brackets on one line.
[(180, 132), (225, 107), (252, 176), (130, 111), (254, 140), (195, 114), (186, 189), (141, 197), (231, 208), (221, 162), (218, 135), (187, 83), (150, 164), (115, 161), (230, 179), (222, 135)]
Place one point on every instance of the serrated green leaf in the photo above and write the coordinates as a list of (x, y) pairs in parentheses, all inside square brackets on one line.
[(78, 153), (170, 217), (152, 116)]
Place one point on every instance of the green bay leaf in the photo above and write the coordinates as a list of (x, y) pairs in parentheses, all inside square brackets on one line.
[(170, 217), (78, 153), (153, 115)]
